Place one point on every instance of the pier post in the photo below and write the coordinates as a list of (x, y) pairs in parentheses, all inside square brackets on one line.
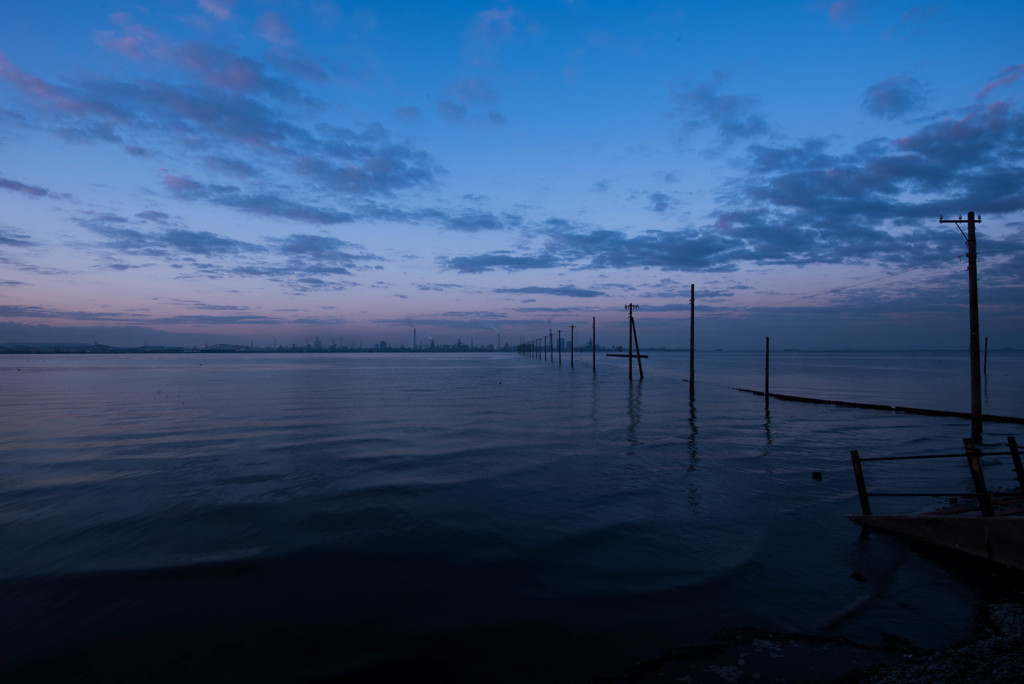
[(974, 461), (593, 343), (766, 370), (551, 342), (559, 347), (862, 490)]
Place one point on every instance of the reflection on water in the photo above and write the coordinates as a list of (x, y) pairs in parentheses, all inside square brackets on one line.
[(275, 515)]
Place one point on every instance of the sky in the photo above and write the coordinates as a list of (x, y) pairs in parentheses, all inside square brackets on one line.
[(273, 171)]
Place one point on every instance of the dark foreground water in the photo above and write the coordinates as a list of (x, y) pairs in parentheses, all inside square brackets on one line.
[(460, 517)]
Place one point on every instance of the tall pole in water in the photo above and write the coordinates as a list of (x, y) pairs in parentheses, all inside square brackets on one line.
[(572, 345), (691, 340), (551, 345), (593, 343), (559, 347), (766, 370), (972, 281), (630, 336)]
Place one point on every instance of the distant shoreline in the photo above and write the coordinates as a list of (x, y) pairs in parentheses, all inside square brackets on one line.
[(28, 348)]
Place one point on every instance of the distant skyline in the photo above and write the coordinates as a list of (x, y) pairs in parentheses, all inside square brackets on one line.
[(177, 172)]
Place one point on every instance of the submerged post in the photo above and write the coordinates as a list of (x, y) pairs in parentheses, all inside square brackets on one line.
[(766, 369), (559, 347), (593, 343), (984, 366), (551, 340), (862, 490)]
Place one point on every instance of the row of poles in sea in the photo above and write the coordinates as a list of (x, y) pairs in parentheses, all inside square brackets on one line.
[(544, 347)]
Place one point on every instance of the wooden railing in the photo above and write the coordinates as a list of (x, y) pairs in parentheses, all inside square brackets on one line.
[(981, 492)]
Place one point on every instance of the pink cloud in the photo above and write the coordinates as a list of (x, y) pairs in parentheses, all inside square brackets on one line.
[(221, 9), (135, 43), (41, 90), (178, 183), (274, 29), (1006, 76), (219, 68)]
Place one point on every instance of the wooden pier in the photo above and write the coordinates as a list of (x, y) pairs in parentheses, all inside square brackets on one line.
[(992, 528)]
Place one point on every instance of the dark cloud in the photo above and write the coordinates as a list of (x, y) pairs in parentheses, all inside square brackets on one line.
[(660, 202), (24, 189), (154, 216), (472, 222), (564, 291), (451, 112), (320, 254), (119, 236), (895, 97), (231, 167), (1006, 76), (339, 160), (503, 260), (669, 250), (10, 238), (733, 117), (259, 204)]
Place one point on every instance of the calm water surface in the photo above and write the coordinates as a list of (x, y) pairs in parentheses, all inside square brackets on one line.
[(483, 517)]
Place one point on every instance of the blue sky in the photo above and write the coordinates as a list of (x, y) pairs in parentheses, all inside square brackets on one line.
[(276, 170)]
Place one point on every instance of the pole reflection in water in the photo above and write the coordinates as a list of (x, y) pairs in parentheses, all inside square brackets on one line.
[(693, 491), (635, 411)]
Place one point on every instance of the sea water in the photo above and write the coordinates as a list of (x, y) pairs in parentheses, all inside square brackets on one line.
[(480, 517)]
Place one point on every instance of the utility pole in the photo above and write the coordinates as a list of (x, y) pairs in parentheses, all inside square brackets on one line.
[(972, 279), (691, 339), (572, 344)]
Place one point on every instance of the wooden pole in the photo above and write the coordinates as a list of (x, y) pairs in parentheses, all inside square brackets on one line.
[(766, 370), (862, 490), (972, 284), (639, 363), (559, 347), (972, 266), (691, 340), (629, 334), (593, 343), (551, 338), (572, 346), (984, 368)]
